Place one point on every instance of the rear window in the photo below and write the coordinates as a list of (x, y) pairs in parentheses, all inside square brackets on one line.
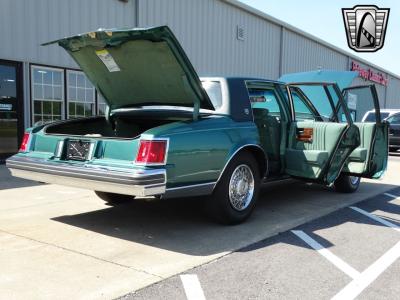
[(213, 89)]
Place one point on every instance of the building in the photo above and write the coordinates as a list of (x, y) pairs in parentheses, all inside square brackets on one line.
[(223, 37)]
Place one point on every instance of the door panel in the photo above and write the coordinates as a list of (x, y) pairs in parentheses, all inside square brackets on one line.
[(370, 158), (318, 148), (322, 154), (308, 159)]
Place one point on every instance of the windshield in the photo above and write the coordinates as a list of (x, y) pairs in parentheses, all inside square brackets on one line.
[(213, 89)]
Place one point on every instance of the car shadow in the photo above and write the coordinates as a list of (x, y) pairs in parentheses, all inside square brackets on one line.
[(180, 225), (9, 182)]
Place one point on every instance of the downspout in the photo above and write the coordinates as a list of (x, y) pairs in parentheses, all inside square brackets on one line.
[(281, 52), (137, 23), (386, 93)]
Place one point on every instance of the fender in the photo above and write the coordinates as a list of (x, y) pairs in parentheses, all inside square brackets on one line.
[(264, 169)]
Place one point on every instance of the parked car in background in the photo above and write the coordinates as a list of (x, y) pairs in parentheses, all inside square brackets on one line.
[(394, 131), (392, 116), (169, 133), (385, 113)]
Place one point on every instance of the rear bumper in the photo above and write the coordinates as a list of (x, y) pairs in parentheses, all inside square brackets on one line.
[(136, 182)]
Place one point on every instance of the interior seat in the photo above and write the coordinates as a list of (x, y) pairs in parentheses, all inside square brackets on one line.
[(270, 132)]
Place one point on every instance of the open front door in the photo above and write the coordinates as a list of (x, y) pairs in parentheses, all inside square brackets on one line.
[(320, 141), (370, 158)]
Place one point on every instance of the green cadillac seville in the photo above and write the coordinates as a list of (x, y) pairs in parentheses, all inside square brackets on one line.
[(168, 133)]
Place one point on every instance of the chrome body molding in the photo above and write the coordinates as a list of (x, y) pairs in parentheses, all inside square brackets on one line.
[(190, 190), (136, 182)]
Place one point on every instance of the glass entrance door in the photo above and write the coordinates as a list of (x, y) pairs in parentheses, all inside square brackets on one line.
[(11, 122)]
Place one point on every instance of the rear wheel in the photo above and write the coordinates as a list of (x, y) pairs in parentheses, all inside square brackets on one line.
[(347, 184), (235, 195), (114, 199)]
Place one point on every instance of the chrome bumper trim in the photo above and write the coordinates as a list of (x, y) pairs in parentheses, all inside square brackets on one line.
[(136, 182)]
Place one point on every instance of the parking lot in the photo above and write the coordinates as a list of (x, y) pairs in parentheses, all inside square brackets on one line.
[(303, 241)]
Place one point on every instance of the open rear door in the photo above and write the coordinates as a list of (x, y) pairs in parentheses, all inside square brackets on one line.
[(370, 158), (320, 137)]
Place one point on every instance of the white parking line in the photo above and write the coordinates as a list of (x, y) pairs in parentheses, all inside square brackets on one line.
[(338, 262), (192, 287), (354, 288), (376, 218), (391, 195)]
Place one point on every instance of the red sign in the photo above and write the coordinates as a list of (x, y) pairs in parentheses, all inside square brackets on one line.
[(369, 74)]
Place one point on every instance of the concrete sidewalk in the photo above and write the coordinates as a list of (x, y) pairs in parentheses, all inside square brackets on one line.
[(58, 242)]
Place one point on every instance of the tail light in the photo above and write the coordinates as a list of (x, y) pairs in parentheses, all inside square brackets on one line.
[(152, 152), (25, 142)]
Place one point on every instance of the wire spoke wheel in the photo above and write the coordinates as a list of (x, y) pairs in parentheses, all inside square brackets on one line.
[(241, 187), (235, 195)]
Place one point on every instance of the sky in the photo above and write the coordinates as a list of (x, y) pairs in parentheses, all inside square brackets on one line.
[(324, 20)]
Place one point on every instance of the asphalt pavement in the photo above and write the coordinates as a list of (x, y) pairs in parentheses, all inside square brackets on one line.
[(60, 242), (287, 267)]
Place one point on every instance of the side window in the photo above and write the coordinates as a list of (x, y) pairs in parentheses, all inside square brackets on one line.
[(213, 89), (360, 102), (301, 110), (265, 101), (317, 96)]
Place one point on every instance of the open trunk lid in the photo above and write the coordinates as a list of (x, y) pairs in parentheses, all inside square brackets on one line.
[(137, 67)]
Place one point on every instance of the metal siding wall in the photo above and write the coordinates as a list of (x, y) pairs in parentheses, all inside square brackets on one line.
[(393, 93), (301, 54), (25, 24), (207, 29)]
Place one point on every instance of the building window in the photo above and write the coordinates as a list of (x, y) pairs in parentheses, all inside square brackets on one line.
[(47, 94), (102, 104), (80, 95)]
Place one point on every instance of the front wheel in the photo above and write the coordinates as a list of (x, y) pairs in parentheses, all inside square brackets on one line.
[(235, 195), (114, 199), (347, 184)]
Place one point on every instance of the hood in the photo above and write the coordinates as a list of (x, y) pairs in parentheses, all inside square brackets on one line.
[(137, 67), (342, 78)]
